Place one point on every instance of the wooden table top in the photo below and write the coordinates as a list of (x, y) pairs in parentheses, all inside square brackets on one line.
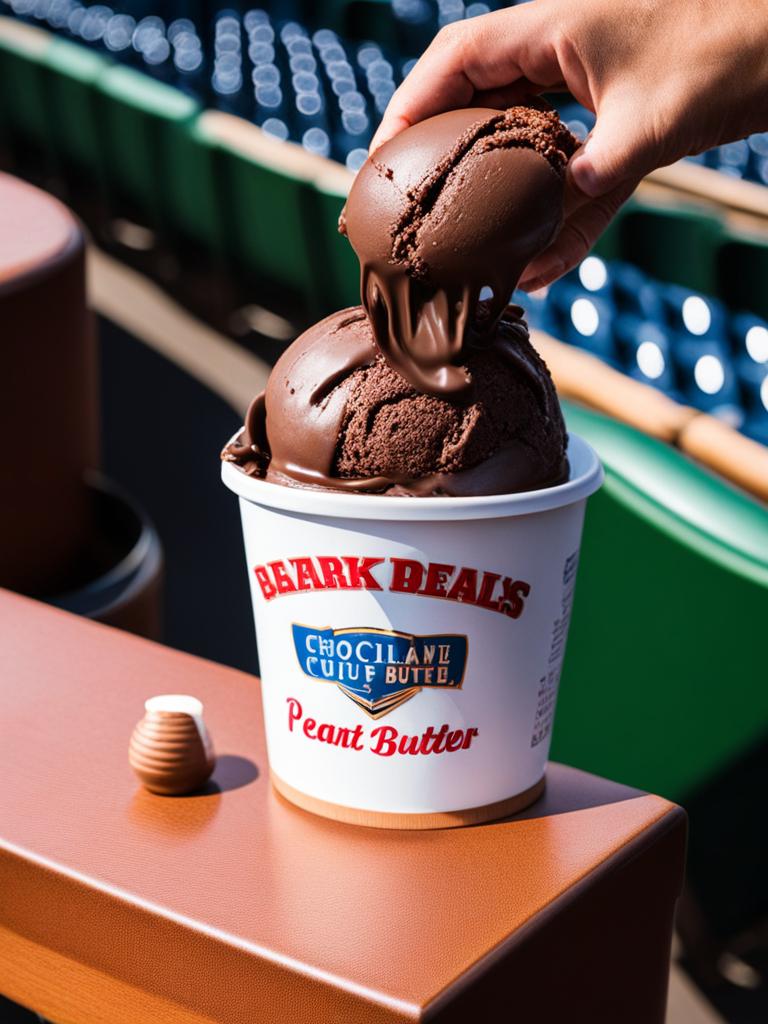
[(201, 908)]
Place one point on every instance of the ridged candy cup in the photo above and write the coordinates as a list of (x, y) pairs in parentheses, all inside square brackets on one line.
[(170, 749), (411, 648)]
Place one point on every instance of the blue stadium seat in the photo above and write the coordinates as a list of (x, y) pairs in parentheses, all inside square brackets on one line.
[(693, 314), (635, 292), (707, 377), (585, 319), (645, 347)]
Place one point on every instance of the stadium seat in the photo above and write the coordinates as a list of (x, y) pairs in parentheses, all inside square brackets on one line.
[(742, 264), (146, 135), (71, 74), (23, 50), (194, 195), (270, 206), (669, 617), (673, 244), (340, 263)]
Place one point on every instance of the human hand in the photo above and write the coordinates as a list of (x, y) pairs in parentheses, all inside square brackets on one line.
[(666, 78)]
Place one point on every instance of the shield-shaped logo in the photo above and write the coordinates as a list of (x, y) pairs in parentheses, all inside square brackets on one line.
[(380, 669)]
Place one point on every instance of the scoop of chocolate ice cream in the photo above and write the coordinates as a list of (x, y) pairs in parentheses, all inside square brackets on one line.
[(456, 203), (335, 414)]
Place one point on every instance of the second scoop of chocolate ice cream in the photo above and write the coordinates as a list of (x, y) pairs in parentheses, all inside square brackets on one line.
[(454, 204), (335, 414)]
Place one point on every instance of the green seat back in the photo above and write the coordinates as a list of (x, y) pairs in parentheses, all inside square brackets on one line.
[(72, 72), (270, 206), (192, 189), (743, 273), (23, 50), (677, 245), (339, 260), (143, 120), (664, 679)]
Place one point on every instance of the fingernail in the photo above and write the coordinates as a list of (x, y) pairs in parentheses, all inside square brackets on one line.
[(535, 289), (550, 272), (531, 286)]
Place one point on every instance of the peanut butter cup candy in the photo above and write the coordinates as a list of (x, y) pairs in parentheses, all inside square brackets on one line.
[(170, 749)]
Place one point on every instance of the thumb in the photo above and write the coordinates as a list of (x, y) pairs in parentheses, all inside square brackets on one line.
[(620, 148)]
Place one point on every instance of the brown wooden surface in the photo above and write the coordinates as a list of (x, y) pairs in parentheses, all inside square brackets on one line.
[(236, 906)]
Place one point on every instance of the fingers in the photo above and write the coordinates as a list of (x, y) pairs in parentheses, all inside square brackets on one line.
[(467, 60), (579, 233), (621, 147), (438, 82), (601, 175)]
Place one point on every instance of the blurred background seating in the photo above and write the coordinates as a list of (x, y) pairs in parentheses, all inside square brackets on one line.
[(119, 100)]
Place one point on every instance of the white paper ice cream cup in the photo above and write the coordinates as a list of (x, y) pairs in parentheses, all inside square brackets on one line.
[(411, 648)]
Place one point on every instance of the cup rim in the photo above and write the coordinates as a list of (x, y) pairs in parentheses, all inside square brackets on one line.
[(586, 475)]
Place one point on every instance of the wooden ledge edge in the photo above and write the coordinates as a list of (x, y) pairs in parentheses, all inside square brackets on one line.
[(240, 136), (26, 37), (708, 183)]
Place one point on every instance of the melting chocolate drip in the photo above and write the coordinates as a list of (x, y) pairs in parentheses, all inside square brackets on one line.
[(305, 406)]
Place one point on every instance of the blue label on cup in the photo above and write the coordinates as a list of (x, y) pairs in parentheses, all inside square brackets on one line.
[(380, 669)]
